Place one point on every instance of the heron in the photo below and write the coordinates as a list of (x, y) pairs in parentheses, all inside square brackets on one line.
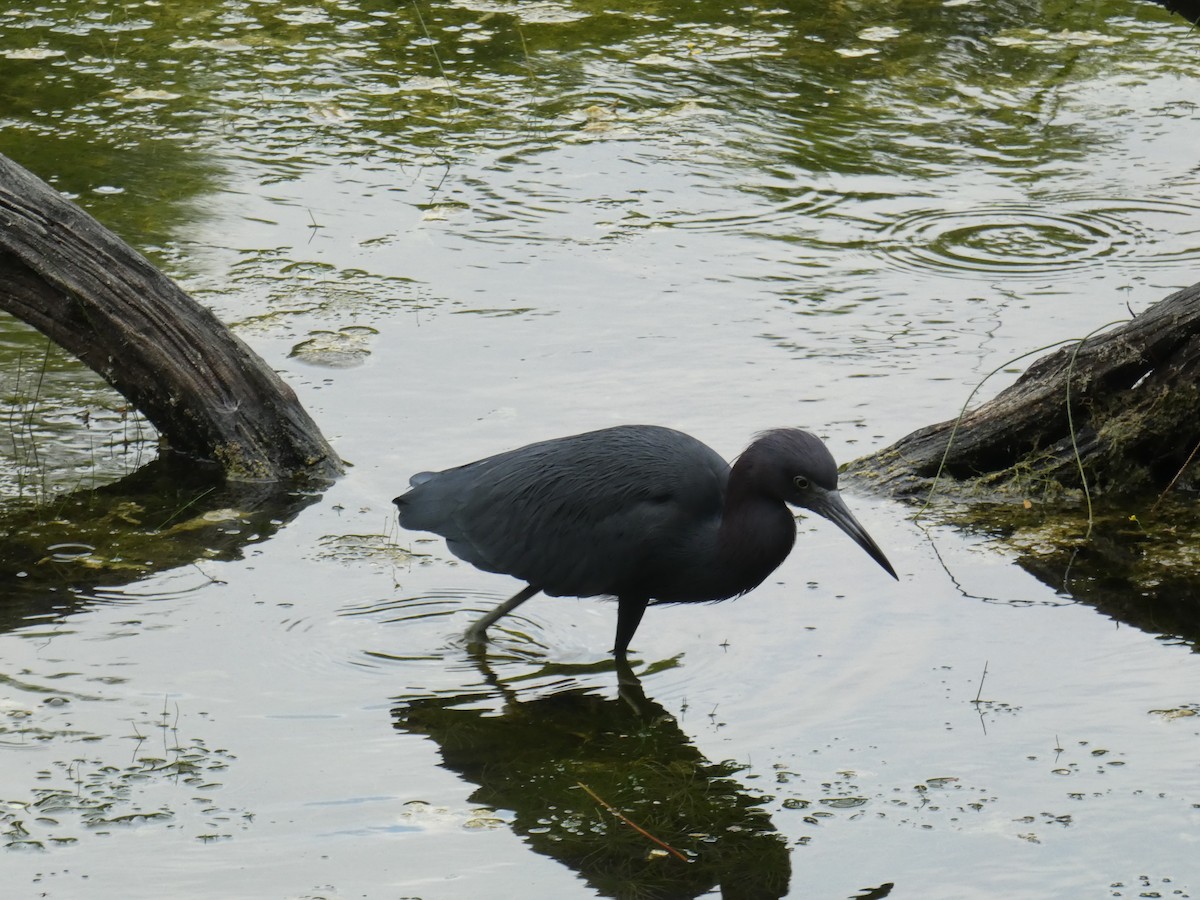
[(643, 513)]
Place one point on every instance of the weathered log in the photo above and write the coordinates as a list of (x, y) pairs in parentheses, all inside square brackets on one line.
[(1120, 407), (208, 394)]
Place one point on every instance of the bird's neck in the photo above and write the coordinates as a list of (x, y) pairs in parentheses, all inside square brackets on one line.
[(756, 534)]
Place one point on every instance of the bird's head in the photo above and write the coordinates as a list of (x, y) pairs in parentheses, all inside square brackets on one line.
[(797, 467)]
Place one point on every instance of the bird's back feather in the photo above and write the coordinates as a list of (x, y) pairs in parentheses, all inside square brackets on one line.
[(594, 513)]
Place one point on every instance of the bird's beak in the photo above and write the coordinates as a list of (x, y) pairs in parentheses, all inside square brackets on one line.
[(832, 507)]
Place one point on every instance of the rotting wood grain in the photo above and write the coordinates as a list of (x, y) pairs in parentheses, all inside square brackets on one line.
[(208, 394)]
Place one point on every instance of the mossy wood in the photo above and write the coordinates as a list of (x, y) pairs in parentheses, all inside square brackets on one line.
[(1134, 406), (208, 394)]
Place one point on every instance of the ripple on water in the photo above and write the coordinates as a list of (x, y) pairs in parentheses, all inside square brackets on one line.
[(174, 585), (544, 202), (1052, 236), (781, 210), (533, 651), (400, 609), (551, 646), (431, 630)]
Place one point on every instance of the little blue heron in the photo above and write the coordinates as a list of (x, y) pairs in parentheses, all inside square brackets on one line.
[(640, 512)]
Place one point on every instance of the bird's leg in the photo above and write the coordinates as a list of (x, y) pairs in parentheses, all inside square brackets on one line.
[(629, 616), (477, 633)]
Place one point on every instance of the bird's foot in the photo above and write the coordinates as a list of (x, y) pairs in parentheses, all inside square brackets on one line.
[(476, 637)]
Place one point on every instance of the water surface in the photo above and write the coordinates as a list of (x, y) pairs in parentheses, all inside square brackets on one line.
[(457, 227)]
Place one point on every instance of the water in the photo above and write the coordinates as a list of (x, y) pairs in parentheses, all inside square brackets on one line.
[(493, 223)]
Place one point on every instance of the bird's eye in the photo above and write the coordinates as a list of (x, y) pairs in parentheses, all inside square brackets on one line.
[(800, 482)]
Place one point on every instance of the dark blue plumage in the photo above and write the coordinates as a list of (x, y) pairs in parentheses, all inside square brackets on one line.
[(640, 512)]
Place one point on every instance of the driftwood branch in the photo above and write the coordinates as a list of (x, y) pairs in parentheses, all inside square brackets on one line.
[(1133, 394), (208, 394)]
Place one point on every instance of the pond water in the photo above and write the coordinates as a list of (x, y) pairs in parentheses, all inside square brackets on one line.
[(456, 227)]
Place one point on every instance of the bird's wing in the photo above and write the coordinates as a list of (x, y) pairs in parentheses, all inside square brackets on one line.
[(577, 516)]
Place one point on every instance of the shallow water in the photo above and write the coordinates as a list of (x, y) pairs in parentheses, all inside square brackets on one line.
[(494, 223)]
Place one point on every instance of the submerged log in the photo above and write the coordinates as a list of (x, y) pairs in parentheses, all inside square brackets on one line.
[(208, 394), (97, 545), (1119, 408)]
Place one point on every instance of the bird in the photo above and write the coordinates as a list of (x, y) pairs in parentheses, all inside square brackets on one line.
[(643, 513)]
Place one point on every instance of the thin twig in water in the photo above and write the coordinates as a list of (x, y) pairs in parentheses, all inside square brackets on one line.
[(37, 396), (524, 48), (963, 413), (982, 679), (183, 508), (638, 828), (432, 44), (1087, 494), (1187, 462)]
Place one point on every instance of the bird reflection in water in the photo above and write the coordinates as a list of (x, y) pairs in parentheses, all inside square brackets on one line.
[(546, 758)]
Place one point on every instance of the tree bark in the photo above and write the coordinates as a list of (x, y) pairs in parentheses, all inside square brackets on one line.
[(208, 394), (1132, 395)]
